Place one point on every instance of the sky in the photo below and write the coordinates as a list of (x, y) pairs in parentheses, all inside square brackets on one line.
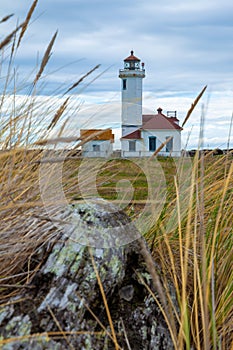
[(184, 44)]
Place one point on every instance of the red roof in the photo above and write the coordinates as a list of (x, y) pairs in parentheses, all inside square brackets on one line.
[(147, 117), (159, 122), (131, 57), (135, 135), (174, 118)]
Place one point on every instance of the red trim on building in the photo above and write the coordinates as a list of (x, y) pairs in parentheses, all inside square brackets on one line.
[(135, 135)]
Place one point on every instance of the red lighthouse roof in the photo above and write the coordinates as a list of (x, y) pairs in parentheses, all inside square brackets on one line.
[(132, 58)]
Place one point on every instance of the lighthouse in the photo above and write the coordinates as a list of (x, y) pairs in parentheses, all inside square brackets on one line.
[(131, 94)]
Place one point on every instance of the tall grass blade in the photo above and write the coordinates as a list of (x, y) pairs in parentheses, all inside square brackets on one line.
[(25, 24), (95, 78), (9, 37), (58, 114), (229, 135), (160, 147), (105, 301), (193, 106), (60, 328), (56, 140), (82, 78), (4, 19), (45, 58)]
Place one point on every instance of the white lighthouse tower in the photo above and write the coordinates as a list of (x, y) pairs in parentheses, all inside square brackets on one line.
[(131, 75)]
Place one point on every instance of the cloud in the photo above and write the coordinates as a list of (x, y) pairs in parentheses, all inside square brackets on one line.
[(184, 44)]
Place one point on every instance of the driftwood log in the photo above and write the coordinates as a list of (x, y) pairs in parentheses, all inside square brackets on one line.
[(63, 306)]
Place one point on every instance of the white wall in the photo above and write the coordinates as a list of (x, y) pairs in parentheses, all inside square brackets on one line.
[(132, 97), (106, 149), (161, 136), (142, 146), (125, 153)]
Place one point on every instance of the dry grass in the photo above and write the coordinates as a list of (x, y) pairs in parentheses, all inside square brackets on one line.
[(26, 22), (195, 250), (197, 256), (45, 58)]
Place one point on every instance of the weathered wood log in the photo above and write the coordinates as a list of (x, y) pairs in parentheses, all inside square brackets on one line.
[(62, 306)]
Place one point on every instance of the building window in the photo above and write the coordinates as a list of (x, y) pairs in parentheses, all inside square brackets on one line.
[(124, 83), (152, 143), (169, 145), (132, 146), (132, 65), (96, 148)]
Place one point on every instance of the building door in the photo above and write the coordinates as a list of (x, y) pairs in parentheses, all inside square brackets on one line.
[(169, 145), (152, 143)]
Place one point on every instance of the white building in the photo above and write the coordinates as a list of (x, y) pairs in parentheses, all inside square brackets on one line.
[(97, 142), (142, 135)]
